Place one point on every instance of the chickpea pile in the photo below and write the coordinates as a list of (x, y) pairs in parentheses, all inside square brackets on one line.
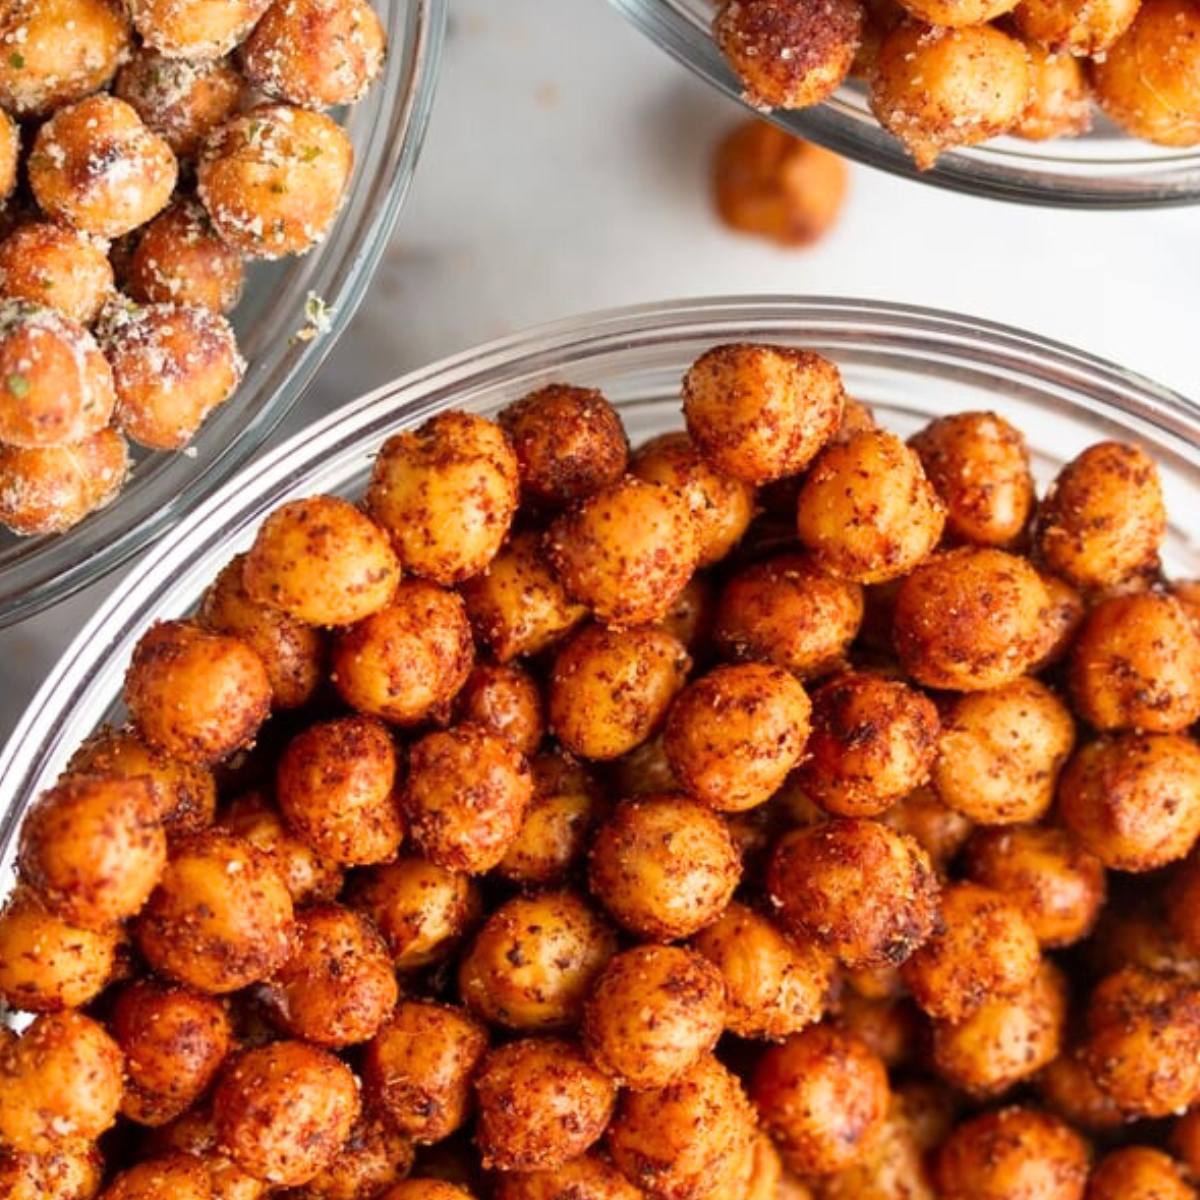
[(148, 148), (947, 73), (731, 817)]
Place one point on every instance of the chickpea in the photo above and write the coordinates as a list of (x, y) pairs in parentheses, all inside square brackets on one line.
[(664, 867), (936, 88), (195, 1134), (322, 562), (194, 695), (644, 771), (10, 153), (534, 962), (1066, 1086), (1134, 800), (68, 1173), (1066, 29), (690, 620), (425, 1189), (855, 887), (587, 1178), (198, 30), (1064, 618), (939, 830), (60, 268), (1141, 933), (374, 1156), (176, 1177), (1059, 104), (504, 700), (1138, 1173), (891, 1027)]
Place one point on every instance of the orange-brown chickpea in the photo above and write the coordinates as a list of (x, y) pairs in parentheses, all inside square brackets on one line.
[(891, 1027), (588, 1177), (195, 31), (59, 267), (374, 1156), (644, 771), (67, 1173), (195, 1134), (1059, 104), (1139, 1173), (505, 700), (939, 830), (957, 13), (1067, 1087), (173, 1177), (426, 1189), (1063, 619), (10, 153), (1073, 30)]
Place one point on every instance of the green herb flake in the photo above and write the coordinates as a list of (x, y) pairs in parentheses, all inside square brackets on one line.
[(310, 153), (16, 60), (18, 385)]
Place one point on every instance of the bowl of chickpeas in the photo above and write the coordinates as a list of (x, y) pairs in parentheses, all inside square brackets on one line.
[(1046, 102), (758, 735), (196, 198)]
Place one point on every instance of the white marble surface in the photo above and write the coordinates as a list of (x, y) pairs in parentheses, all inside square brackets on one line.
[(566, 169)]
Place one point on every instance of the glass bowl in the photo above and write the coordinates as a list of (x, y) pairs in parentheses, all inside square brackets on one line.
[(386, 127), (1104, 169), (910, 364)]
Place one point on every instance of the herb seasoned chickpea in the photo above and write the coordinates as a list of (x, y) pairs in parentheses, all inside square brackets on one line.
[(939, 830), (1075, 30), (862, 891), (505, 700), (1066, 1087), (588, 1177), (664, 866), (373, 1156), (534, 962), (60, 268), (1059, 103), (196, 29), (67, 1173), (1139, 1173)]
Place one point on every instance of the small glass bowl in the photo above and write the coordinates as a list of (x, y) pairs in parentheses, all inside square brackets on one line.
[(387, 128), (1103, 169)]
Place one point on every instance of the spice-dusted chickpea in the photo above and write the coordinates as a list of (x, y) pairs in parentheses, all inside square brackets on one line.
[(1058, 104), (10, 153), (1138, 930), (774, 986), (174, 1041), (421, 909), (195, 695), (1103, 521), (195, 1134), (66, 1173), (685, 1140), (664, 866), (1134, 800), (1139, 1173), (644, 771), (588, 1177), (936, 88), (940, 830), (221, 916), (534, 961), (60, 1083), (425, 1189), (1056, 883), (733, 736), (335, 785), (1075, 30), (466, 796), (273, 179), (970, 619), (1143, 1041), (1063, 619), (1067, 1087), (891, 1027), (373, 1156), (788, 612), (321, 561), (610, 689), (174, 1177), (285, 1111), (984, 949), (505, 700), (861, 890), (418, 1068), (789, 56), (866, 511), (198, 29), (57, 267), (823, 1096), (541, 1103), (893, 1167), (1012, 1154)]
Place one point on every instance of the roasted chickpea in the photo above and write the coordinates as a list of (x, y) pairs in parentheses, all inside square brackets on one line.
[(954, 14), (644, 771), (936, 88), (1067, 1087), (418, 1068), (939, 830), (200, 29), (59, 268), (221, 916), (285, 1111), (891, 1027), (504, 700), (1134, 800), (690, 619), (273, 179), (425, 1189), (1063, 619), (1138, 1173), (175, 1177), (864, 892), (195, 1134), (1074, 30), (321, 561), (374, 1156), (195, 695), (585, 1178), (664, 866), (180, 259), (534, 962), (10, 153), (866, 511), (73, 1172), (1058, 104)]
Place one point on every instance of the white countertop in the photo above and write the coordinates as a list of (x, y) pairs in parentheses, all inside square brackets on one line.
[(566, 169)]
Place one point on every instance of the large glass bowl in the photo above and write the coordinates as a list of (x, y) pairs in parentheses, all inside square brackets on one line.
[(1102, 170), (386, 128), (910, 364)]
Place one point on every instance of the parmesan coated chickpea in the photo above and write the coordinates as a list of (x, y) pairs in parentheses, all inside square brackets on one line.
[(733, 735), (174, 1177), (1075, 30), (321, 561), (958, 13), (221, 917), (774, 985), (504, 700), (664, 866), (588, 1177), (866, 512), (534, 962), (939, 830), (195, 29), (610, 689), (419, 1067), (759, 413), (196, 696), (57, 267), (1059, 104), (373, 1156), (862, 891), (1139, 1173), (541, 1104), (67, 1173), (1067, 1087)]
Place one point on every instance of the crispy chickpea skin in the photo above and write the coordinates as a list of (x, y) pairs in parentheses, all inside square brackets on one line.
[(864, 892), (1134, 800), (936, 88), (610, 689), (180, 259), (1103, 521), (1067, 1087), (1012, 1154), (823, 1096), (664, 866), (1139, 1173), (196, 29), (418, 1069), (60, 1083), (321, 561), (541, 1104), (585, 1178), (273, 179), (57, 267), (195, 695), (68, 1173), (285, 1111), (789, 55), (505, 700), (221, 916), (534, 962), (373, 1156), (1058, 104), (1075, 30)]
